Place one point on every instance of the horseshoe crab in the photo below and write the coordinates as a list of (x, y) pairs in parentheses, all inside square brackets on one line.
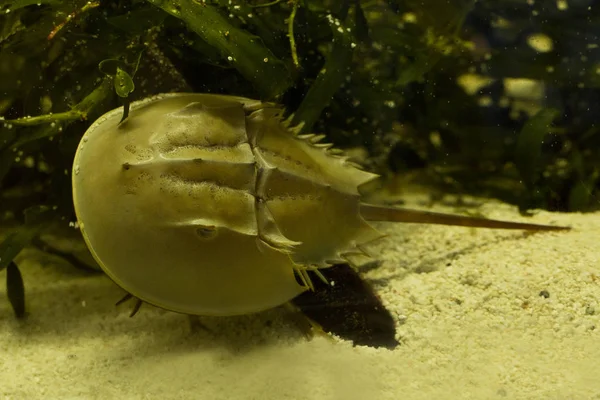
[(213, 205)]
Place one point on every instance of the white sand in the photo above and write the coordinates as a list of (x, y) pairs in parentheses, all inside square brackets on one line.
[(471, 320)]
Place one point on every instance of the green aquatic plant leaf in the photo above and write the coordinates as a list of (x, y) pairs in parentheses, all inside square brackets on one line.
[(330, 78), (110, 66), (15, 289), (14, 243), (361, 24), (242, 50), (123, 83), (138, 21), (122, 80), (37, 219), (61, 120), (17, 4), (528, 151)]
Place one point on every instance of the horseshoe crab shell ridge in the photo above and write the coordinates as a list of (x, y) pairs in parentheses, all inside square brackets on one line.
[(212, 205)]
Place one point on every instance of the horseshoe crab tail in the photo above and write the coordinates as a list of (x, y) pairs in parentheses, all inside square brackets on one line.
[(372, 212)]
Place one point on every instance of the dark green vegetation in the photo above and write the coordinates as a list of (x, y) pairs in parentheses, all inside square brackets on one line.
[(383, 75)]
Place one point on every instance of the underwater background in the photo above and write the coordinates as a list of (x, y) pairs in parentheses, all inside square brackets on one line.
[(482, 107)]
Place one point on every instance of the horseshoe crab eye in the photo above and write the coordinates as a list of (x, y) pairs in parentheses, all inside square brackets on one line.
[(207, 232)]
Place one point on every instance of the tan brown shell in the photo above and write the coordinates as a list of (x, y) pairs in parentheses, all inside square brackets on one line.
[(211, 205)]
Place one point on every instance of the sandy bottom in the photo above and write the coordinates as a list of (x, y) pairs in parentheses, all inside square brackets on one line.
[(471, 320)]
